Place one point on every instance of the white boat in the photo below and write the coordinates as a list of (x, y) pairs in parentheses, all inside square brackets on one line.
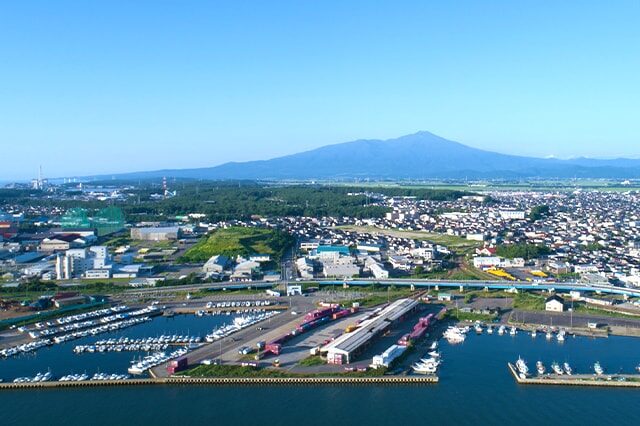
[(501, 330), (534, 333), (598, 369), (549, 335), (513, 331), (454, 335), (521, 365), (434, 354), (560, 336), (426, 366), (478, 328), (556, 368), (434, 346), (567, 369), (489, 330), (540, 368)]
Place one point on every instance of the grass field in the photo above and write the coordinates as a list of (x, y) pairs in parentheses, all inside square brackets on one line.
[(469, 316), (528, 302), (239, 371), (239, 241), (458, 244), (532, 185)]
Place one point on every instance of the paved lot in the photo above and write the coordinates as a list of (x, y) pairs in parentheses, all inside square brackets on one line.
[(566, 319), (501, 303)]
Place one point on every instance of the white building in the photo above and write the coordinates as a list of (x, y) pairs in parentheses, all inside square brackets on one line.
[(76, 263), (378, 271), (554, 303), (216, 264), (512, 214)]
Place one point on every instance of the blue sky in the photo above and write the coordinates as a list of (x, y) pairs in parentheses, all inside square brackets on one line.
[(109, 86)]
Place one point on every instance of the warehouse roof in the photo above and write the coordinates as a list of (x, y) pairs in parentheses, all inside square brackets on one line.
[(349, 342)]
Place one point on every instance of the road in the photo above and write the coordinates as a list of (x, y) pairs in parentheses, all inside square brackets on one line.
[(417, 283)]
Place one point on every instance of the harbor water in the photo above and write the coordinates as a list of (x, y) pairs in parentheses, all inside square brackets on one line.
[(475, 388)]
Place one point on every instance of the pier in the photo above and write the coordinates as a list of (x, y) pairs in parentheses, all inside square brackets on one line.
[(231, 381), (607, 380)]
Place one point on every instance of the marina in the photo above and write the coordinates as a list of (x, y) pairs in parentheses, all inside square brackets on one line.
[(559, 379), (468, 367)]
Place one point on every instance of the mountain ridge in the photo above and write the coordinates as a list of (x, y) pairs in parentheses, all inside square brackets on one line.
[(421, 155)]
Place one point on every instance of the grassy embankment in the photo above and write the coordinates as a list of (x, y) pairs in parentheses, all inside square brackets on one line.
[(242, 241), (528, 302), (239, 371), (312, 361)]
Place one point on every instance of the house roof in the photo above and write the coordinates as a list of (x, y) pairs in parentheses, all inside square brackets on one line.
[(554, 297)]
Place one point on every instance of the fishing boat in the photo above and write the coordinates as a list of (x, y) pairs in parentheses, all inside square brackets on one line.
[(598, 368), (428, 366), (568, 369), (557, 369), (478, 328), (521, 365)]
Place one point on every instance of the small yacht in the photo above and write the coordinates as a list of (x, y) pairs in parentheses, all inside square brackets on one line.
[(557, 369), (567, 369), (549, 335), (521, 365), (513, 331), (489, 330), (540, 368), (501, 330), (598, 368), (534, 333)]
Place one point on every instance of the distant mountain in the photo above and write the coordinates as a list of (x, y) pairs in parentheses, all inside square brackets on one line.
[(422, 155)]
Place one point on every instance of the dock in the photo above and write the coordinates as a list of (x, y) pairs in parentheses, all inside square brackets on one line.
[(606, 380), (231, 381)]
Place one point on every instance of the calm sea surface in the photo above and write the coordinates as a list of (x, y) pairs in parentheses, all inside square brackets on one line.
[(475, 389)]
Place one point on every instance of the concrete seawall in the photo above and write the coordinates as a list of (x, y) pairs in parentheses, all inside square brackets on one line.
[(222, 381)]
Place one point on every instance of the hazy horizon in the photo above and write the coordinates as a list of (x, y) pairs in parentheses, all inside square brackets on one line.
[(102, 88)]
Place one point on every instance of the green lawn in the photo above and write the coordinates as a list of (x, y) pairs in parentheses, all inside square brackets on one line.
[(453, 242), (312, 360), (528, 302), (378, 298), (468, 316), (239, 241)]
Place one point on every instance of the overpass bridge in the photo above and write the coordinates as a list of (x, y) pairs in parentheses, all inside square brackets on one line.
[(601, 288), (489, 285)]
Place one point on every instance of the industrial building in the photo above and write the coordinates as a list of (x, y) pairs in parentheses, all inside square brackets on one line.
[(343, 349), (156, 234), (94, 262)]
